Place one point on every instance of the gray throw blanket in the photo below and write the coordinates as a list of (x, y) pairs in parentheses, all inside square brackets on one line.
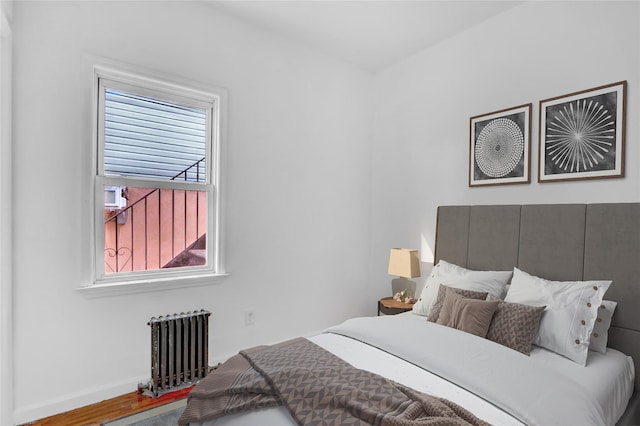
[(318, 388)]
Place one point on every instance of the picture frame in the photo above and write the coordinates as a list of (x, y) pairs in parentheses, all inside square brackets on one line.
[(582, 134), (499, 147)]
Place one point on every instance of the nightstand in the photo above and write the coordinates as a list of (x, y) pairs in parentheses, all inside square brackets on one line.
[(389, 306)]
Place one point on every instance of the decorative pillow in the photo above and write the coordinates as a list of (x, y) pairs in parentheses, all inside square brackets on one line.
[(469, 315), (442, 294), (515, 325), (492, 282), (600, 334), (571, 311)]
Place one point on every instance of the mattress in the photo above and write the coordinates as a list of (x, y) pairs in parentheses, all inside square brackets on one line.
[(603, 387)]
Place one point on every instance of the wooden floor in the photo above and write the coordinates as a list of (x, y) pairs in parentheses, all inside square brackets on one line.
[(110, 409)]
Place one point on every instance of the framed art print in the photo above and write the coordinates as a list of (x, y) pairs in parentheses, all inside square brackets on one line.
[(582, 134), (499, 147)]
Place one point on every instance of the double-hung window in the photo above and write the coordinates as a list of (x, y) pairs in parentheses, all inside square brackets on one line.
[(156, 189)]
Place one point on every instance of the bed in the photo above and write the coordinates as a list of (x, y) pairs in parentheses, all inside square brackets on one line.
[(578, 254)]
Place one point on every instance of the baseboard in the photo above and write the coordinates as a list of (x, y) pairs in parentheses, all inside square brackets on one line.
[(72, 401), (91, 396)]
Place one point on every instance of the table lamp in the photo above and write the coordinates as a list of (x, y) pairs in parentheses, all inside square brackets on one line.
[(405, 264)]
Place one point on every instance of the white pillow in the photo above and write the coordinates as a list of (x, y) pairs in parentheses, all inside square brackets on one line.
[(600, 334), (492, 282), (571, 311)]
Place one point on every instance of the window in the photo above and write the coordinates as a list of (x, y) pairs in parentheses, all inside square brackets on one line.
[(156, 181)]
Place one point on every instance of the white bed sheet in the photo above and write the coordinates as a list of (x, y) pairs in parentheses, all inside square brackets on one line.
[(367, 357), (610, 376)]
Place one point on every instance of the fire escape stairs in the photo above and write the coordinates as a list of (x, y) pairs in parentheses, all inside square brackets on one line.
[(194, 255)]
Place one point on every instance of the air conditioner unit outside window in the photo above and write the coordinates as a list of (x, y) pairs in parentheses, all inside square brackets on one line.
[(113, 198)]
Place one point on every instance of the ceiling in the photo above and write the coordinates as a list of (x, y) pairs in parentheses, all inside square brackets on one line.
[(371, 34)]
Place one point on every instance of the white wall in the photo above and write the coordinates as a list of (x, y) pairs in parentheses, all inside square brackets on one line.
[(534, 51), (6, 285), (322, 177), (297, 176)]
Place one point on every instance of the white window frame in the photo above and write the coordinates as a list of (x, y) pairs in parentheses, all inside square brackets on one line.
[(212, 100)]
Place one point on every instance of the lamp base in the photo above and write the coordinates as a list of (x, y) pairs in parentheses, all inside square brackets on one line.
[(401, 283)]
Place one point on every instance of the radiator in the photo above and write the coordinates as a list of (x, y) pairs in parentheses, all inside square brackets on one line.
[(179, 350)]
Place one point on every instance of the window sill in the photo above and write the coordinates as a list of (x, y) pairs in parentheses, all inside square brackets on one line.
[(107, 289)]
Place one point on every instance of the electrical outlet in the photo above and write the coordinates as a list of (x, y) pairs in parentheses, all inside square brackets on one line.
[(249, 317)]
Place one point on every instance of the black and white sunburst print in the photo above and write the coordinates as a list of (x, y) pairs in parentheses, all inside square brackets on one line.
[(581, 135)]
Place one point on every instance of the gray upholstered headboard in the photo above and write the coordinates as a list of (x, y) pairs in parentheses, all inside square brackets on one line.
[(556, 242)]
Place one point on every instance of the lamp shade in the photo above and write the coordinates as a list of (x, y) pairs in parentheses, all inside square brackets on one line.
[(404, 263)]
